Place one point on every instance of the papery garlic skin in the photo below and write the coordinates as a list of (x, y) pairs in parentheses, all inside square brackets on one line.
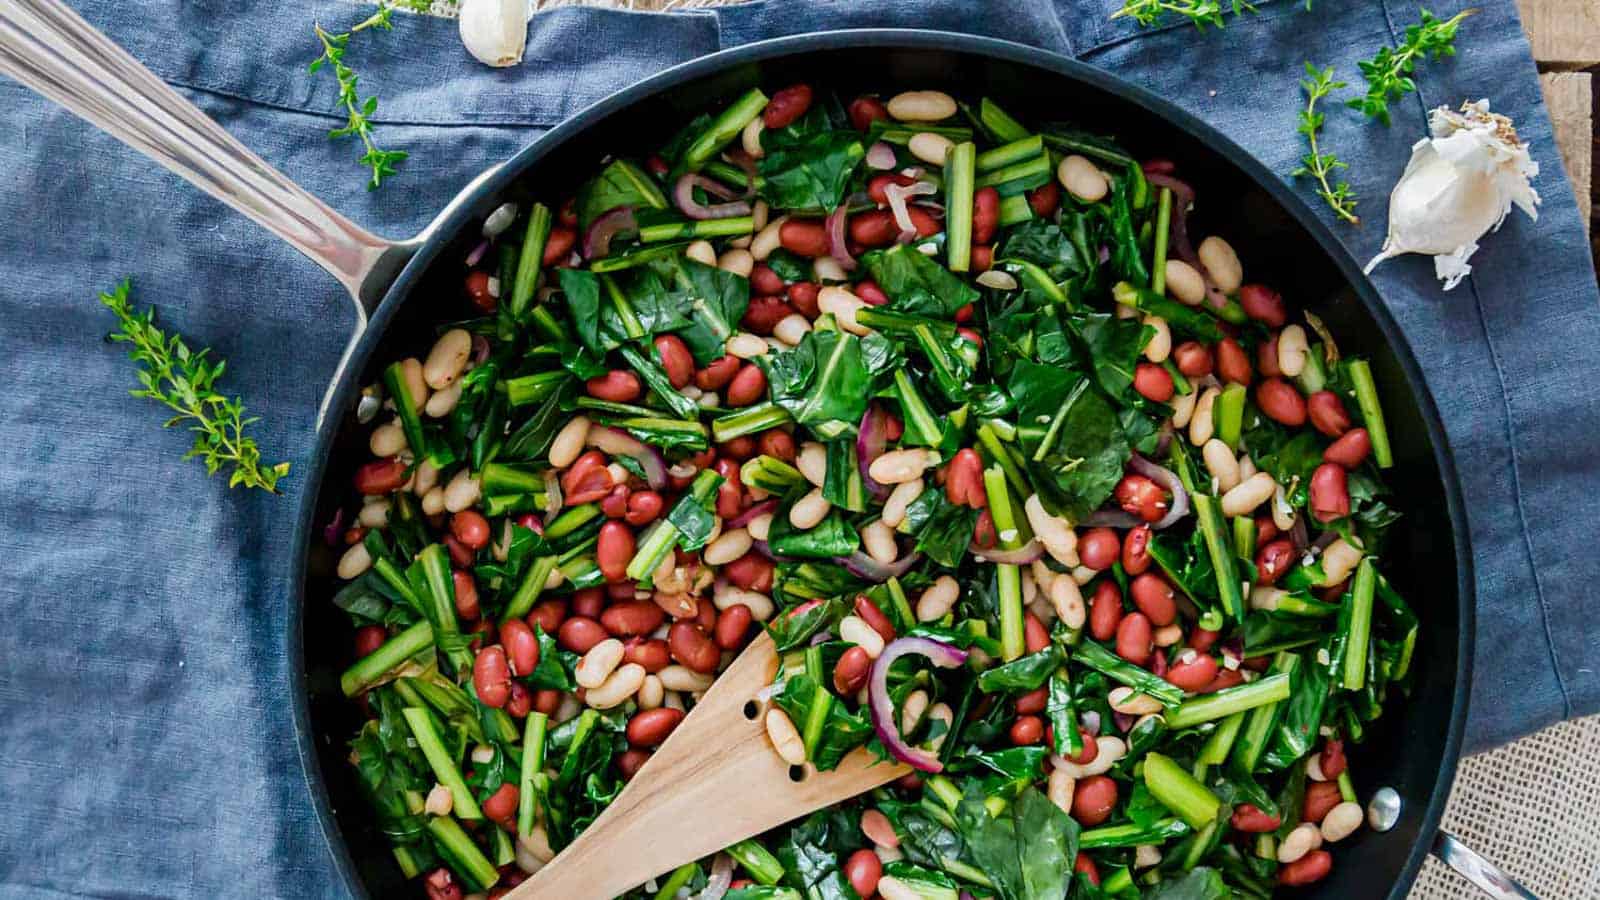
[(1460, 184), (494, 31)]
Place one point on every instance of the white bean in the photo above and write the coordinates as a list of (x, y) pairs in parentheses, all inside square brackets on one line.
[(416, 384), (767, 239), (440, 801), (759, 604), (374, 513), (826, 269), (1248, 494), (1183, 405), (533, 851), (1200, 425), (750, 138), (894, 508), (785, 739), (701, 252), (739, 262), (1083, 179), (1159, 347), (1130, 702), (598, 664), (1060, 789), (462, 491), (876, 826), (1184, 283), (812, 461), (433, 501), (1167, 635), (447, 359), (842, 305), (387, 440), (929, 147), (1305, 838), (759, 526), (997, 279), (728, 547), (622, 684), (791, 329), (1314, 765), (745, 345), (855, 630), (879, 541), (1266, 597), (355, 561), (1146, 855), (1293, 348), (1067, 600), (1342, 821), (1222, 464), (922, 106), (568, 443), (651, 693), (683, 678), (809, 510), (1283, 514), (1108, 750), (938, 599), (940, 712), (911, 711), (1221, 263), (443, 401), (1247, 468), (1058, 538), (892, 888), (900, 466), (1338, 561), (425, 477)]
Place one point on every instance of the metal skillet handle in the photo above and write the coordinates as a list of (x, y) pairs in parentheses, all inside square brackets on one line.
[(1484, 875), (51, 49)]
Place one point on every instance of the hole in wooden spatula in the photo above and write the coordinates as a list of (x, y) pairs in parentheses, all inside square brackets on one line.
[(751, 710), (797, 774)]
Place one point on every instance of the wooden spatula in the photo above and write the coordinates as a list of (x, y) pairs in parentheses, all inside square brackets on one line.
[(716, 781)]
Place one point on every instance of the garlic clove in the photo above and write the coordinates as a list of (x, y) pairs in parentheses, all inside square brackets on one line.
[(494, 31), (1459, 185)]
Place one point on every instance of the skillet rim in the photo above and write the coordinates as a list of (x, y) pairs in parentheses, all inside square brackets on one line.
[(1290, 201)]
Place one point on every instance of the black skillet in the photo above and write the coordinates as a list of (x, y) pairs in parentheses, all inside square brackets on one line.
[(1413, 752)]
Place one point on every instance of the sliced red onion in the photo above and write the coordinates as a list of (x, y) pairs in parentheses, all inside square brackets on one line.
[(872, 439), (620, 443), (1164, 437), (764, 549), (821, 637), (865, 567), (759, 509), (683, 196), (718, 881), (746, 164), (943, 655), (1112, 518), (1178, 234), (1169, 480), (597, 240), (480, 349), (880, 156), (1300, 535), (837, 248), (333, 532), (896, 194), (1324, 539), (553, 501), (1124, 721), (1021, 556), (477, 253), (1090, 720)]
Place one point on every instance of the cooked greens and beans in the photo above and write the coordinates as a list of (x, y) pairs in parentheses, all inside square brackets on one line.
[(1032, 492)]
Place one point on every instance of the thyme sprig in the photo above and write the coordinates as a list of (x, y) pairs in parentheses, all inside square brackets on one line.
[(358, 110), (1201, 12), (183, 380), (1388, 74), (1322, 166)]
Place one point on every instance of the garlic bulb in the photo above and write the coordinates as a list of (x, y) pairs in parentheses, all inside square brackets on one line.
[(494, 31), (1459, 185)]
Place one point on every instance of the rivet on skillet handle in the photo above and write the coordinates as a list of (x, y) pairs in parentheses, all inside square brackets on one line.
[(1485, 875), (49, 48)]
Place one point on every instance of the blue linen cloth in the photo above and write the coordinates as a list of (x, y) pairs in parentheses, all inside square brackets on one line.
[(146, 749)]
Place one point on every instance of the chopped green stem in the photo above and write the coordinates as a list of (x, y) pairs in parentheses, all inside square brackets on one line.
[(636, 258), (531, 260), (1116, 668), (1261, 721), (1179, 791), (656, 379), (1214, 752), (919, 419), (989, 438), (770, 474), (1223, 561), (817, 713), (469, 861), (1347, 787), (1015, 209), (370, 669), (571, 519), (1132, 835), (1228, 701), (531, 587), (724, 128), (1355, 654), (678, 880), (1371, 411), (757, 862), (697, 228), (1020, 150), (1244, 537), (749, 420), (1025, 175), (945, 790), (1158, 268), (1013, 644), (958, 190), (902, 603), (407, 407), (999, 123), (656, 545), (501, 478), (1227, 414), (532, 776), (1037, 278), (527, 390), (731, 175), (444, 767)]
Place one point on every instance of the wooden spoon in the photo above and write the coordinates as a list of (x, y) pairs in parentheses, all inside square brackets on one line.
[(716, 781)]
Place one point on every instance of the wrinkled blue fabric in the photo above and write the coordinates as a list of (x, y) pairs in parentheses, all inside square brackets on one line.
[(145, 739)]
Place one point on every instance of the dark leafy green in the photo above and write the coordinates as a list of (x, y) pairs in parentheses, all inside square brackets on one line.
[(811, 172), (1027, 851), (916, 284)]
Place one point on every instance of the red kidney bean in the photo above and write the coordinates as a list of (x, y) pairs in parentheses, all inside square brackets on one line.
[(643, 508), (548, 615), (470, 528), (739, 449), (1321, 796), (893, 428), (1265, 530), (964, 479), (730, 494), (1267, 358), (874, 228), (567, 214), (1273, 559), (1327, 413), (970, 336), (477, 289), (1331, 760), (441, 885), (1158, 664), (1155, 598), (1192, 358), (619, 591), (1194, 674), (763, 314), (716, 375), (983, 533), (632, 618), (869, 612), (751, 571), (1202, 639), (1085, 864), (1139, 495), (690, 647), (1093, 800), (1099, 548), (1308, 869), (764, 281), (1088, 753), (863, 870), (863, 111), (1263, 304), (803, 296), (1027, 730), (369, 638), (547, 701), (1257, 663), (1035, 636), (877, 184), (1153, 382), (1350, 450), (1134, 638), (732, 626), (1250, 819), (1105, 610), (617, 386), (380, 476), (521, 646), (651, 653), (1136, 551), (1232, 364), (982, 258), (579, 634), (748, 387), (650, 727), (521, 702), (589, 602), (925, 222), (850, 672), (786, 106), (1226, 678), (1044, 199), (629, 762), (704, 615), (805, 237), (1280, 402), (461, 556), (466, 591), (1330, 495), (985, 215), (614, 550), (1033, 702), (965, 312), (615, 504), (587, 477), (778, 444), (491, 677), (558, 246), (676, 360), (502, 804)]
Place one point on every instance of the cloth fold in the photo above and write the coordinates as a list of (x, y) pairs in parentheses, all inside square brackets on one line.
[(147, 747)]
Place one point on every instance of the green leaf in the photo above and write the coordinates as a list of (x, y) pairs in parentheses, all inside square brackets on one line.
[(809, 173), (844, 731), (1200, 883), (822, 382), (621, 183), (916, 284), (1027, 851)]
